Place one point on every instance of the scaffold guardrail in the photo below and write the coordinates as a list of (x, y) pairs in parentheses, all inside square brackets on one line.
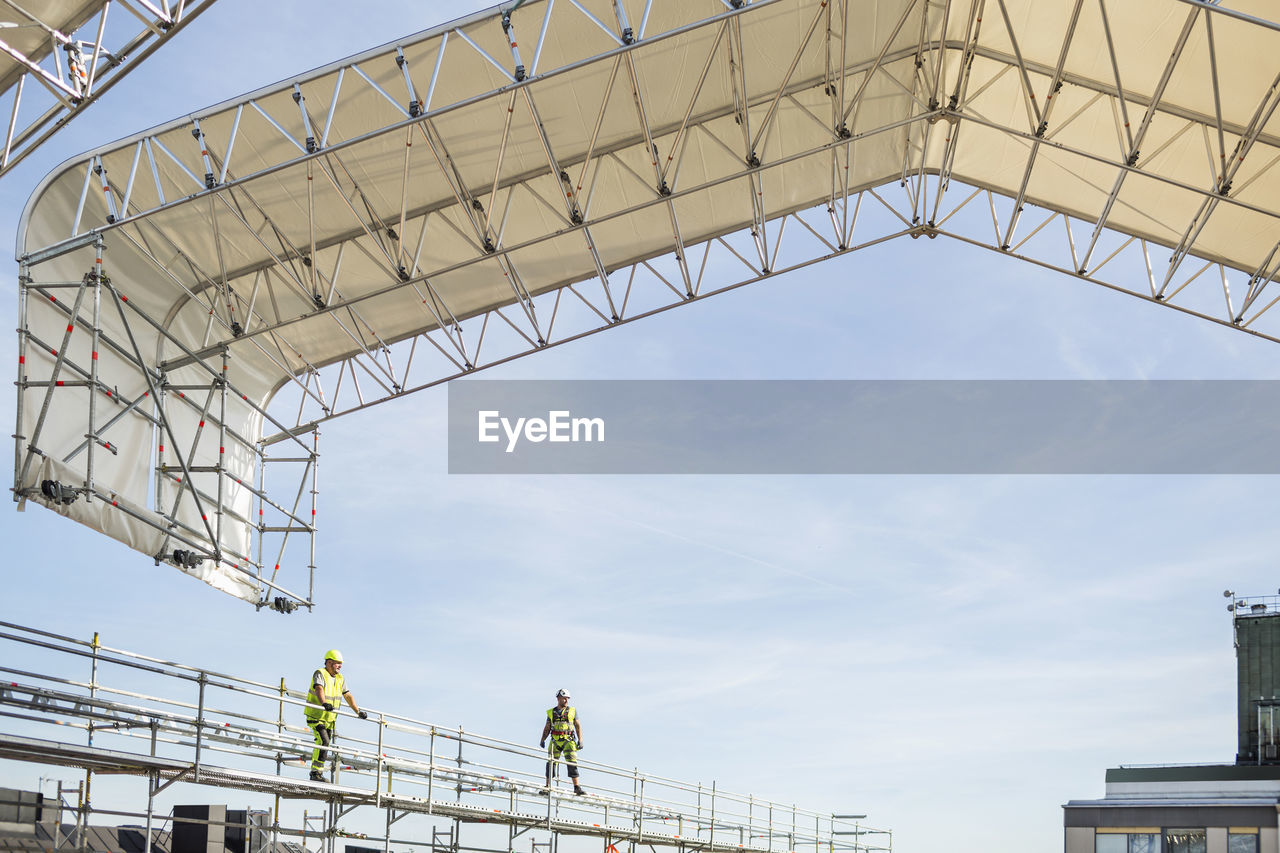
[(83, 704)]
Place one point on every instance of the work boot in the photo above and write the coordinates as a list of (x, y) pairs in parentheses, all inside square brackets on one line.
[(577, 789), (317, 776)]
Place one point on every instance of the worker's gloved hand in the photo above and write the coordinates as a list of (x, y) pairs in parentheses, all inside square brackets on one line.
[(362, 714), (542, 743), (580, 745), (328, 706)]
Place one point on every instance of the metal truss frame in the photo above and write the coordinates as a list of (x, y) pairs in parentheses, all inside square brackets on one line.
[(61, 87), (184, 490), (174, 723), (262, 308)]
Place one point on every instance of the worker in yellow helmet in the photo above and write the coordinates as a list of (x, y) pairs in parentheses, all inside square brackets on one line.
[(327, 685), (565, 732)]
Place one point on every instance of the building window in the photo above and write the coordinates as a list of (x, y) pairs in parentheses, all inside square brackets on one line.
[(1184, 841), (1242, 843), (1133, 842), (1111, 842), (1144, 843)]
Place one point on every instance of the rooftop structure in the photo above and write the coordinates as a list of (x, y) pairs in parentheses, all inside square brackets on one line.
[(198, 298), (1218, 808), (1256, 624)]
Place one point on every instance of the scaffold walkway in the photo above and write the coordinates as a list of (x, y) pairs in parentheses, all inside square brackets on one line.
[(167, 722)]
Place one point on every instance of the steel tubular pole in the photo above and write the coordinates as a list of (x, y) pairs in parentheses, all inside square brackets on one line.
[(200, 724), (431, 769), (640, 814), (24, 278), (458, 798), (712, 840), (82, 817), (377, 782), (315, 492), (331, 823), (160, 394), (222, 459), (280, 727), (92, 435), (262, 503), (152, 779), (333, 752), (88, 774)]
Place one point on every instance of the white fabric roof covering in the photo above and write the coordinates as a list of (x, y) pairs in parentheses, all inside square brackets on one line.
[(1163, 128)]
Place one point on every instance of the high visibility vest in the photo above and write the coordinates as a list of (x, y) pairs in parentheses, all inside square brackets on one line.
[(334, 687), (562, 721)]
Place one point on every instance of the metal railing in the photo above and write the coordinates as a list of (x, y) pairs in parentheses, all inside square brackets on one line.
[(172, 722)]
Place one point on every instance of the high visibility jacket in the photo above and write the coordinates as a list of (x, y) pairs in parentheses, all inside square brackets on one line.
[(562, 721), (334, 687)]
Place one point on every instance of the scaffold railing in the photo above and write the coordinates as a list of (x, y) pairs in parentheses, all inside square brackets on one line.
[(80, 703)]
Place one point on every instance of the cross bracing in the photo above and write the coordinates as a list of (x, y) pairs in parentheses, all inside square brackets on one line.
[(521, 178), (59, 56), (74, 703)]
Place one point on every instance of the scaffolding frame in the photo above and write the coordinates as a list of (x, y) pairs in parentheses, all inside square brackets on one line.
[(181, 489), (364, 283), (44, 90), (170, 723)]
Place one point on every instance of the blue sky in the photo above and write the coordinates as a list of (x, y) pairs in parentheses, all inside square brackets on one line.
[(954, 656)]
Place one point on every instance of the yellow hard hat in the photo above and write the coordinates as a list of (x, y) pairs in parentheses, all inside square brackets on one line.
[(333, 654)]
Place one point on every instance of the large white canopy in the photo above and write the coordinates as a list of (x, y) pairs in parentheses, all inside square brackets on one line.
[(437, 204)]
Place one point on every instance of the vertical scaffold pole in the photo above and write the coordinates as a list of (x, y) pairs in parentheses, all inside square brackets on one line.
[(222, 452), (152, 779), (640, 811), (331, 830), (431, 769), (161, 384), (153, 782), (275, 826), (262, 503), (83, 818), (24, 280), (200, 724), (92, 435), (57, 825), (711, 842), (459, 796), (698, 825), (315, 493), (377, 782)]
